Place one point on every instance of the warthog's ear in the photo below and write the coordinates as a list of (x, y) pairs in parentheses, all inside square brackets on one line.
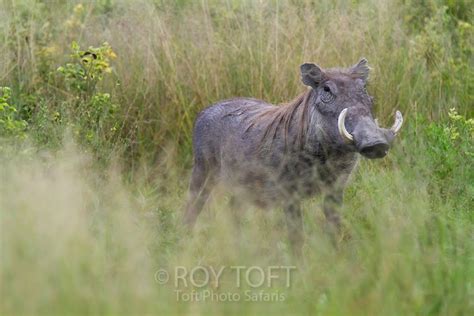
[(311, 74), (361, 69)]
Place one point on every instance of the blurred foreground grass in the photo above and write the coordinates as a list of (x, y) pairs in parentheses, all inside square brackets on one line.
[(77, 240)]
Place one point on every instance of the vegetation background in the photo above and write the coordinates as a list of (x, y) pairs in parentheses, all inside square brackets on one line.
[(97, 103)]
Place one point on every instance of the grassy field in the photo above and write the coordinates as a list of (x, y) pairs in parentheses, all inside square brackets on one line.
[(97, 102)]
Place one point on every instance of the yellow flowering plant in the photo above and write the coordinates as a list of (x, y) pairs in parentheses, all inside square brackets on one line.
[(88, 66)]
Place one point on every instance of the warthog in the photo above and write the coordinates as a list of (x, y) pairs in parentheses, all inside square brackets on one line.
[(278, 155)]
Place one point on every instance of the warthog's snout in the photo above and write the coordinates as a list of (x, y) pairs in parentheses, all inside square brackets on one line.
[(370, 140), (377, 150)]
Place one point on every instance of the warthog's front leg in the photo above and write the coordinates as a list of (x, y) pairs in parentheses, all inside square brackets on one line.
[(294, 222), (332, 203)]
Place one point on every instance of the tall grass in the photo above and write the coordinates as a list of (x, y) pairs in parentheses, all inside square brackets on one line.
[(86, 220), (174, 58)]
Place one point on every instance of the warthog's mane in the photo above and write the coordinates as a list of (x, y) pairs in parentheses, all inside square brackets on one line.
[(274, 120)]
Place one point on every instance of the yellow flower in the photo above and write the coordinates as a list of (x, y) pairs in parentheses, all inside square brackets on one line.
[(454, 135), (453, 114), (48, 50), (112, 54), (464, 25), (69, 23), (78, 9)]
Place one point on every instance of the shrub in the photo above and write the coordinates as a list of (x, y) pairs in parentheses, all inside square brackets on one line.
[(91, 112), (451, 154), (10, 123), (87, 68)]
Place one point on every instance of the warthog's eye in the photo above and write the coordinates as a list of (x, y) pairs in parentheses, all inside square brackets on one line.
[(326, 95)]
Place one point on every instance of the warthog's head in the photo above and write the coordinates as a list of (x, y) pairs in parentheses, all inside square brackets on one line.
[(345, 109)]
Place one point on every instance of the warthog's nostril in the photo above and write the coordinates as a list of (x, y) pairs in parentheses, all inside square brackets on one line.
[(373, 151)]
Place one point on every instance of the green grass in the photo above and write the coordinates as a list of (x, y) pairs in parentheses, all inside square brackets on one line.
[(96, 156)]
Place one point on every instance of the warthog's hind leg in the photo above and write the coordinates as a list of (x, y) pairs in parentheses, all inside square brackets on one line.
[(202, 181)]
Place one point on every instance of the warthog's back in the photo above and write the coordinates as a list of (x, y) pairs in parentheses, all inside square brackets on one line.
[(221, 129), (229, 141)]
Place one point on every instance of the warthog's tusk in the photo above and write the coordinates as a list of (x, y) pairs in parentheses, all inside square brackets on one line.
[(398, 122), (342, 127)]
